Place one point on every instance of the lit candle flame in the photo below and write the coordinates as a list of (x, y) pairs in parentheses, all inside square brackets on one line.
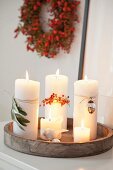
[(86, 77), (55, 101), (82, 124), (27, 75), (57, 72)]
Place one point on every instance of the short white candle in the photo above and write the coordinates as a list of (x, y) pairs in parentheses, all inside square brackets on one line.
[(28, 90), (81, 134), (57, 84), (84, 90)]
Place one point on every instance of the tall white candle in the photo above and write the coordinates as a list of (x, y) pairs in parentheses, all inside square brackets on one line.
[(57, 84), (85, 105), (27, 97)]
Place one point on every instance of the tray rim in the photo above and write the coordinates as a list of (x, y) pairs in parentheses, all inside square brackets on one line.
[(110, 134), (59, 150)]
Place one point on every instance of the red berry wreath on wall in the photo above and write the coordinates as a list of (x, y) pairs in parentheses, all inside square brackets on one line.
[(62, 26)]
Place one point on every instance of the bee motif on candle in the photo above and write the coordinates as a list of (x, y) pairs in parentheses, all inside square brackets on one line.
[(91, 105)]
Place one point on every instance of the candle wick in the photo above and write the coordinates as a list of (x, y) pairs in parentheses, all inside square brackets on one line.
[(27, 76)]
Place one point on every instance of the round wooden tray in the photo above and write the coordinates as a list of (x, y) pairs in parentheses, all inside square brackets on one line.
[(65, 149)]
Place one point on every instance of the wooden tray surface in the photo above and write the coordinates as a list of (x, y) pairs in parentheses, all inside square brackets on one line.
[(65, 149)]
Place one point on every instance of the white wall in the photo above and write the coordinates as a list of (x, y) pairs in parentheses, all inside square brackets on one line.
[(14, 59), (99, 45), (99, 53)]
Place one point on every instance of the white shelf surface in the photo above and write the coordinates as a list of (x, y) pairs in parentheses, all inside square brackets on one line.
[(10, 159)]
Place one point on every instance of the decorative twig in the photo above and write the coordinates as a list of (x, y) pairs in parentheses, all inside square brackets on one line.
[(54, 98)]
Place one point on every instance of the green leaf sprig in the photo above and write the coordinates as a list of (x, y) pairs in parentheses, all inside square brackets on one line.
[(18, 115)]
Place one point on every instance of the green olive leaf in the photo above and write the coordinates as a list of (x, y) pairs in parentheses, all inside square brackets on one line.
[(18, 115), (20, 110)]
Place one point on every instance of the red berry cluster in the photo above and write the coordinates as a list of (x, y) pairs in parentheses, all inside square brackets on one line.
[(62, 26), (54, 98)]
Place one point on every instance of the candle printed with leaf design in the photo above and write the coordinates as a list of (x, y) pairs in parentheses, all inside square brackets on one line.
[(25, 108)]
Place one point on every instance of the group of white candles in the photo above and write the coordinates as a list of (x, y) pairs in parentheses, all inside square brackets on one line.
[(85, 100)]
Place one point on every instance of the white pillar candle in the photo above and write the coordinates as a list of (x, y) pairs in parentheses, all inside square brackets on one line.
[(81, 134), (53, 126), (27, 97), (57, 84), (85, 105)]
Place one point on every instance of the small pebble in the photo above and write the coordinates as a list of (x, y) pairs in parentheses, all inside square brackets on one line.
[(56, 140)]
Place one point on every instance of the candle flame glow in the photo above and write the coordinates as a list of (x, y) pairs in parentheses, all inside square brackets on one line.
[(55, 101), (27, 75), (57, 72), (86, 77)]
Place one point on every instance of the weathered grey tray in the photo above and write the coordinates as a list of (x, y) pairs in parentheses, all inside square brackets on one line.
[(65, 149)]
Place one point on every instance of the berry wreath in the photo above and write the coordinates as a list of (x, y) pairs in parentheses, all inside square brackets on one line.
[(62, 26)]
